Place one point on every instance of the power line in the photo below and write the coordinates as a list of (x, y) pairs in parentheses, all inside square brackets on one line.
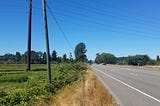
[(120, 25), (105, 24), (84, 17), (107, 13), (112, 29), (60, 28), (127, 11), (87, 4)]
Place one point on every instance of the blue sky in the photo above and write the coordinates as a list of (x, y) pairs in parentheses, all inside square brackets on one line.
[(120, 27)]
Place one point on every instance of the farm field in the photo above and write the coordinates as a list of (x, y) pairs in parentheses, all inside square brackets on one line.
[(18, 87)]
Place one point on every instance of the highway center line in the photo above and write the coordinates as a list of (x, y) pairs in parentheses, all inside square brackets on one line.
[(129, 86)]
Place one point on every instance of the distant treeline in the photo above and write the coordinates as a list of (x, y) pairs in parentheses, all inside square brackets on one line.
[(103, 58), (136, 60), (36, 58), (40, 57)]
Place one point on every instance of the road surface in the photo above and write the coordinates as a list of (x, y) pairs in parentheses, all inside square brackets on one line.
[(131, 86)]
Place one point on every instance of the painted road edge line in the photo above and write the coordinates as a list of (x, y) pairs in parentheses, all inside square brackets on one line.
[(128, 85), (112, 93)]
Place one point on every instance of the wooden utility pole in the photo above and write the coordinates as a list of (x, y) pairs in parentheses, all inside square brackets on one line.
[(47, 39), (29, 37)]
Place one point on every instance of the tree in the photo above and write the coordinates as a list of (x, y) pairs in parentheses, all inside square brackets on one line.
[(24, 57), (80, 52), (9, 58), (64, 57), (122, 60), (138, 60), (152, 62), (34, 57), (97, 54), (1, 61), (44, 58), (158, 58), (98, 59), (40, 57), (54, 55), (105, 58), (70, 57), (59, 59), (18, 57)]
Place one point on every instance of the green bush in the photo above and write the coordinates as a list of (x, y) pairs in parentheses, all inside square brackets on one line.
[(2, 94)]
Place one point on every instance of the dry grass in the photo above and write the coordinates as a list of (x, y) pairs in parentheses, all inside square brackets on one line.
[(87, 91), (154, 67)]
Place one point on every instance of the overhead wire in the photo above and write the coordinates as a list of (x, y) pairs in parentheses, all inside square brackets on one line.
[(101, 3), (112, 29), (95, 20), (91, 21), (127, 11), (123, 19), (59, 26), (120, 25), (103, 24), (105, 12)]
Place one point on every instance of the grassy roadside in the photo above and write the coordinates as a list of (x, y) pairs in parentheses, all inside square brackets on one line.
[(87, 91)]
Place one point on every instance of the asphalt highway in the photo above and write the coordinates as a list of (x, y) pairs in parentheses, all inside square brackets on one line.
[(129, 85)]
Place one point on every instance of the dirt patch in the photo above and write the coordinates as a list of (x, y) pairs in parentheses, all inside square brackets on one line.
[(87, 91)]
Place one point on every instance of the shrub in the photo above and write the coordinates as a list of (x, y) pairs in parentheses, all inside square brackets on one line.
[(2, 94)]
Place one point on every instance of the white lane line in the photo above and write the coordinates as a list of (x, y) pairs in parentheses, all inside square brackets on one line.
[(117, 99), (129, 86)]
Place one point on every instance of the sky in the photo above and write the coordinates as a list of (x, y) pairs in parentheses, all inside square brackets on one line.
[(120, 27)]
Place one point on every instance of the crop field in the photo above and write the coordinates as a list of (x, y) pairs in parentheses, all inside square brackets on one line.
[(18, 87)]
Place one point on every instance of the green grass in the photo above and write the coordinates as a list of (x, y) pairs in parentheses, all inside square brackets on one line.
[(24, 88), (21, 67), (10, 67)]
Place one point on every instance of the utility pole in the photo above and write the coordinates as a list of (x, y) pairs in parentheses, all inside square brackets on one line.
[(47, 40), (29, 37)]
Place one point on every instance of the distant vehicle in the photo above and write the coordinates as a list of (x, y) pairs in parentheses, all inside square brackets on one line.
[(104, 63)]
